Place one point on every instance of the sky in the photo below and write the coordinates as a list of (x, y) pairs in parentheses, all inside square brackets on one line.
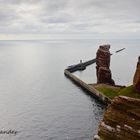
[(45, 19)]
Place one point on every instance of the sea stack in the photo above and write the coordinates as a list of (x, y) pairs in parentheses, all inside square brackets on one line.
[(136, 79), (103, 71)]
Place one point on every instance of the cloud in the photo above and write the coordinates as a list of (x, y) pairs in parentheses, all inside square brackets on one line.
[(69, 16)]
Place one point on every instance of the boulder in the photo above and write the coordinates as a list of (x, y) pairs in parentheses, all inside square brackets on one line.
[(136, 79), (102, 65)]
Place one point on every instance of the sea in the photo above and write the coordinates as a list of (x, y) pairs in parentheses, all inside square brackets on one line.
[(38, 102)]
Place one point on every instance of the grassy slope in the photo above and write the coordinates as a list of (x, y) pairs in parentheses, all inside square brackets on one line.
[(113, 92)]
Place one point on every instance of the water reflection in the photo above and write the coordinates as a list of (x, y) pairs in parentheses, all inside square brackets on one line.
[(40, 102), (37, 99)]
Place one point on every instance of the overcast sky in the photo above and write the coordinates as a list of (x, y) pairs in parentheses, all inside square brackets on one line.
[(90, 18)]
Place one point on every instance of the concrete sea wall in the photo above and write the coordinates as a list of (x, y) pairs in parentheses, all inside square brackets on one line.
[(92, 91)]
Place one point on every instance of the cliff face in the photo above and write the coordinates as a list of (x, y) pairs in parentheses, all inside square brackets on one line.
[(102, 65), (136, 80), (121, 120)]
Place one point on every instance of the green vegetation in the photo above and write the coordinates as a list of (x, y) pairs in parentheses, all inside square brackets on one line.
[(111, 92), (108, 91), (130, 92)]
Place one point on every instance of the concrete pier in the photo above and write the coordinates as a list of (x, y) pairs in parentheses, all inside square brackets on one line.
[(92, 91), (76, 67)]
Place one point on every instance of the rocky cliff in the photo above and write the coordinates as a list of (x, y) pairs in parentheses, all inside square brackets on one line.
[(136, 80), (103, 71), (121, 120)]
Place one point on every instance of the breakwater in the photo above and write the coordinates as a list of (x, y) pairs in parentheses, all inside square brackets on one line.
[(83, 65), (92, 91)]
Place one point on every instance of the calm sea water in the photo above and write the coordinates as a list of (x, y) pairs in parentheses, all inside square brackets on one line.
[(39, 102)]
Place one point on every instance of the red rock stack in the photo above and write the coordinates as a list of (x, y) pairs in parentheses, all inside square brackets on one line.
[(103, 71), (136, 80)]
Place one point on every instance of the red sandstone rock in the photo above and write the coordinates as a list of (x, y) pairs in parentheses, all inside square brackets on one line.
[(103, 56), (121, 120), (136, 80), (102, 65), (104, 76)]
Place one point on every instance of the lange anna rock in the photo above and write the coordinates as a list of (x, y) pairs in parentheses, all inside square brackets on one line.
[(103, 71)]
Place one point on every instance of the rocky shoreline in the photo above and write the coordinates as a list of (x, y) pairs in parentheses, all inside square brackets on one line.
[(121, 120)]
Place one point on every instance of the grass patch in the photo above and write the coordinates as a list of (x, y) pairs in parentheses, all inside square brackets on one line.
[(130, 92), (109, 92), (113, 92)]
